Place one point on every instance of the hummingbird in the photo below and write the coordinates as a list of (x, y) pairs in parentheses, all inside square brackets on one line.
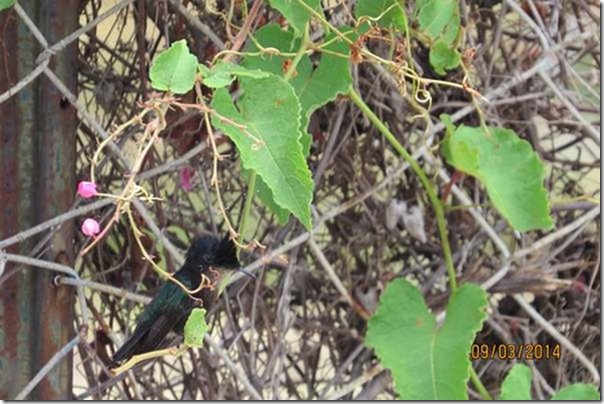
[(171, 306)]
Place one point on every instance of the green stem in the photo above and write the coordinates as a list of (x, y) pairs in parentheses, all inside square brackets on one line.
[(434, 200), (324, 21), (247, 207), (484, 393), (301, 52), (427, 184)]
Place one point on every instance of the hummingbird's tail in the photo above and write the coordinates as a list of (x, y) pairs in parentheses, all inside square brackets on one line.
[(128, 348)]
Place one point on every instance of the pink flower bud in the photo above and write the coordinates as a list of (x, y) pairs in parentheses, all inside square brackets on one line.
[(87, 189), (91, 227), (186, 178)]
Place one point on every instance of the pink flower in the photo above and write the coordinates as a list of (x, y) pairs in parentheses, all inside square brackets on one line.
[(87, 189), (186, 177), (91, 227)]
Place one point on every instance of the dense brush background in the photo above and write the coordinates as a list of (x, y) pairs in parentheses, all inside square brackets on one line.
[(292, 332)]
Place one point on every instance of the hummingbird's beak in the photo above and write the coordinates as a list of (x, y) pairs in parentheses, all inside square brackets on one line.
[(246, 272)]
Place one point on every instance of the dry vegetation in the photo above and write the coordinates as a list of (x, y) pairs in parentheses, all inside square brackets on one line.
[(298, 331)]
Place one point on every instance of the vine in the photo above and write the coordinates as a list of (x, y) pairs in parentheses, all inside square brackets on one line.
[(279, 87)]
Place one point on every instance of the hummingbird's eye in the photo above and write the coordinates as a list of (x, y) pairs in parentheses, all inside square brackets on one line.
[(206, 257)]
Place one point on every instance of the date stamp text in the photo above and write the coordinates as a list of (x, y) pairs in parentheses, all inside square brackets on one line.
[(515, 351)]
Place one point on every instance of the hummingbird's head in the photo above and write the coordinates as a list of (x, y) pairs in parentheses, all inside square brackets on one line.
[(210, 251)]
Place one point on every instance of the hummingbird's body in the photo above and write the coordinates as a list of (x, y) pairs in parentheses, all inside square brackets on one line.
[(170, 308)]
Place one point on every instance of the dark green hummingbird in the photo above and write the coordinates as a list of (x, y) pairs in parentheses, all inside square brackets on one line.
[(171, 306)]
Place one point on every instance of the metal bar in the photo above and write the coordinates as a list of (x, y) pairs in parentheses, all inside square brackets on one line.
[(54, 165), (16, 212), (37, 163)]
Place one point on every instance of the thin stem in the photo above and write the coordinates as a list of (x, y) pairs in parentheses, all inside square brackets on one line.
[(427, 184), (484, 393), (321, 18), (301, 52), (247, 207), (436, 204), (136, 359)]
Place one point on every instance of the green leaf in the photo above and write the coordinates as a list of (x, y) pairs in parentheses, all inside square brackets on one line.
[(265, 127), (577, 392), (296, 13), (388, 12), (439, 19), (214, 79), (444, 57), (509, 169), (174, 69), (266, 197), (426, 363), (449, 125), (330, 78), (4, 4), (196, 328), (273, 36), (314, 88), (264, 193), (517, 384), (224, 73)]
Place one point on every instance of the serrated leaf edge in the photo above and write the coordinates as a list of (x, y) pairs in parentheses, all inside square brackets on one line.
[(305, 168), (299, 148)]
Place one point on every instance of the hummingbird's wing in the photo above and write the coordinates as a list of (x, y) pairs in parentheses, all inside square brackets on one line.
[(168, 308)]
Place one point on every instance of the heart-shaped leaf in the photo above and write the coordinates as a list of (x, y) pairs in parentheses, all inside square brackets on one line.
[(507, 166), (174, 69), (427, 363)]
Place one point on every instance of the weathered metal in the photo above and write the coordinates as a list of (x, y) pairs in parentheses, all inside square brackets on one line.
[(37, 165)]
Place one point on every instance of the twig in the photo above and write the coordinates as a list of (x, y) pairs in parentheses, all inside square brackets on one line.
[(101, 287), (146, 215), (245, 28), (55, 221), (529, 21), (234, 368), (551, 330), (196, 22), (351, 386), (75, 35), (550, 238), (593, 133), (56, 358), (336, 280)]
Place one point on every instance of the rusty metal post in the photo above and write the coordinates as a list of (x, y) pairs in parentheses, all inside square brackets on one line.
[(37, 167)]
